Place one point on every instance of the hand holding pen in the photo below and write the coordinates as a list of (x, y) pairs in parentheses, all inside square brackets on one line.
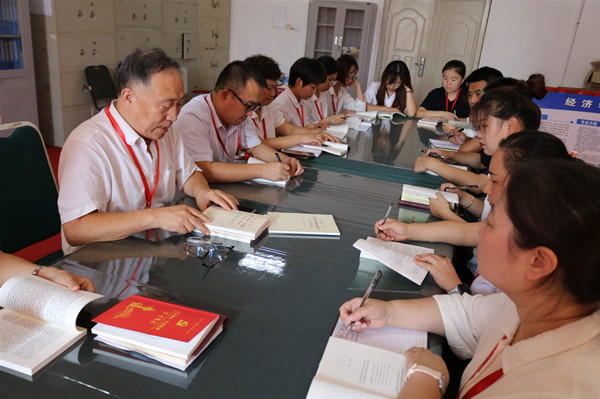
[(387, 214), (370, 289), (433, 154)]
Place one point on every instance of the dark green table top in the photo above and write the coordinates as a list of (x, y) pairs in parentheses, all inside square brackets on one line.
[(281, 297)]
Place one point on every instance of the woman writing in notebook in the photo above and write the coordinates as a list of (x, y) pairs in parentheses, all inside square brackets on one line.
[(394, 92), (446, 102), (540, 336)]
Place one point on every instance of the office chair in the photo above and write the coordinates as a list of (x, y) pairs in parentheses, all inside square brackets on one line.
[(28, 204), (100, 85)]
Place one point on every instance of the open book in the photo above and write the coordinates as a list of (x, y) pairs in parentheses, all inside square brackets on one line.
[(367, 116), (338, 149), (171, 334), (339, 131), (444, 144), (302, 223), (462, 167), (369, 364), (235, 225), (260, 180), (418, 197), (395, 255), (38, 321)]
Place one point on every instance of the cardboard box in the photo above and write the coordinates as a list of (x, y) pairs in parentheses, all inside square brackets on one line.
[(592, 80)]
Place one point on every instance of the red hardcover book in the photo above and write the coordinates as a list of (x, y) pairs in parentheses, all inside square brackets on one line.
[(161, 319)]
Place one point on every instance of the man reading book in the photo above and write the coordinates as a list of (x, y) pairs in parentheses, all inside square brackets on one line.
[(119, 169), (219, 136)]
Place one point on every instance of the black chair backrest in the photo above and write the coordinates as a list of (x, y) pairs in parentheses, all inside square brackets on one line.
[(100, 85)]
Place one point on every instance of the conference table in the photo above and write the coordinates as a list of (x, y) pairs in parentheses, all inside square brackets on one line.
[(281, 294)]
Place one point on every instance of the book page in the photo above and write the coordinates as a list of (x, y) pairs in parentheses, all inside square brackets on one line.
[(429, 193), (362, 367), (393, 339), (397, 256), (27, 343), (323, 389), (38, 297)]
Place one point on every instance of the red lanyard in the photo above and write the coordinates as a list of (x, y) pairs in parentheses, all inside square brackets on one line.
[(318, 110), (264, 131), (454, 102), (298, 111), (236, 158), (487, 380), (149, 195), (334, 105)]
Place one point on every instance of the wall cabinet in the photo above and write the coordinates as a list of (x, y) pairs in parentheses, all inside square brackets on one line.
[(336, 28), (80, 33)]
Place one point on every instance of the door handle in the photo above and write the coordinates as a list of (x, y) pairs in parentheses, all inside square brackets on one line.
[(421, 65)]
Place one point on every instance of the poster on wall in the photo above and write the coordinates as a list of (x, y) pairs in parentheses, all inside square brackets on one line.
[(575, 119)]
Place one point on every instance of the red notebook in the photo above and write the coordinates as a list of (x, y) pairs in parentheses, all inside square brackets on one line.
[(161, 319)]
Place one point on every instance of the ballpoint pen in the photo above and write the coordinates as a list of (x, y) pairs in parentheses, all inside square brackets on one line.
[(370, 288), (387, 214), (461, 187), (278, 157), (433, 155)]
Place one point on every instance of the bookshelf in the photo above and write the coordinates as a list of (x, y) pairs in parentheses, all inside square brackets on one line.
[(16, 64)]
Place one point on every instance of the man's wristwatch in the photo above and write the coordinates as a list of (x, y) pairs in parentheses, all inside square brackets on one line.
[(462, 288), (438, 375)]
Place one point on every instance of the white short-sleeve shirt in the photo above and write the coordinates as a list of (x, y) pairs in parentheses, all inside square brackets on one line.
[(371, 95), (97, 173), (291, 109), (265, 125), (317, 107), (197, 122)]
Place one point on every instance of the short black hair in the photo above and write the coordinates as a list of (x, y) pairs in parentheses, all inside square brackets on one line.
[(235, 76), (308, 70), (484, 73), (329, 63), (141, 64), (267, 66)]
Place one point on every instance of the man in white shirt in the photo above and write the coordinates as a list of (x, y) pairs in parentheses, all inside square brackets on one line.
[(120, 169), (305, 75), (268, 122), (219, 137)]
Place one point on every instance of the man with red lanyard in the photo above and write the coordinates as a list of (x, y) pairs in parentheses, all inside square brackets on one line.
[(119, 170), (268, 122), (305, 75), (219, 137)]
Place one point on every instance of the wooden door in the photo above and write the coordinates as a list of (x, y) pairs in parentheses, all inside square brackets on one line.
[(425, 34)]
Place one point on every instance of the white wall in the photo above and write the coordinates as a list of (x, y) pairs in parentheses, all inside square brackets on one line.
[(546, 36), (252, 31)]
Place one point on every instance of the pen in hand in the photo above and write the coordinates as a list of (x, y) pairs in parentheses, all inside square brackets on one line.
[(278, 157), (371, 287), (387, 214), (432, 154), (461, 187)]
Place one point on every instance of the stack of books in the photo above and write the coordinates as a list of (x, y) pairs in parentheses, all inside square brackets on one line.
[(171, 334), (235, 225)]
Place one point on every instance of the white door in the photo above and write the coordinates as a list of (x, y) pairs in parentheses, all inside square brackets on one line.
[(425, 34)]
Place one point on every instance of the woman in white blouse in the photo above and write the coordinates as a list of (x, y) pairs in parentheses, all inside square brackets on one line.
[(540, 336), (396, 94)]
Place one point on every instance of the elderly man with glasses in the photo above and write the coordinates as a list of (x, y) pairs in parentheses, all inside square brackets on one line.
[(219, 137)]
